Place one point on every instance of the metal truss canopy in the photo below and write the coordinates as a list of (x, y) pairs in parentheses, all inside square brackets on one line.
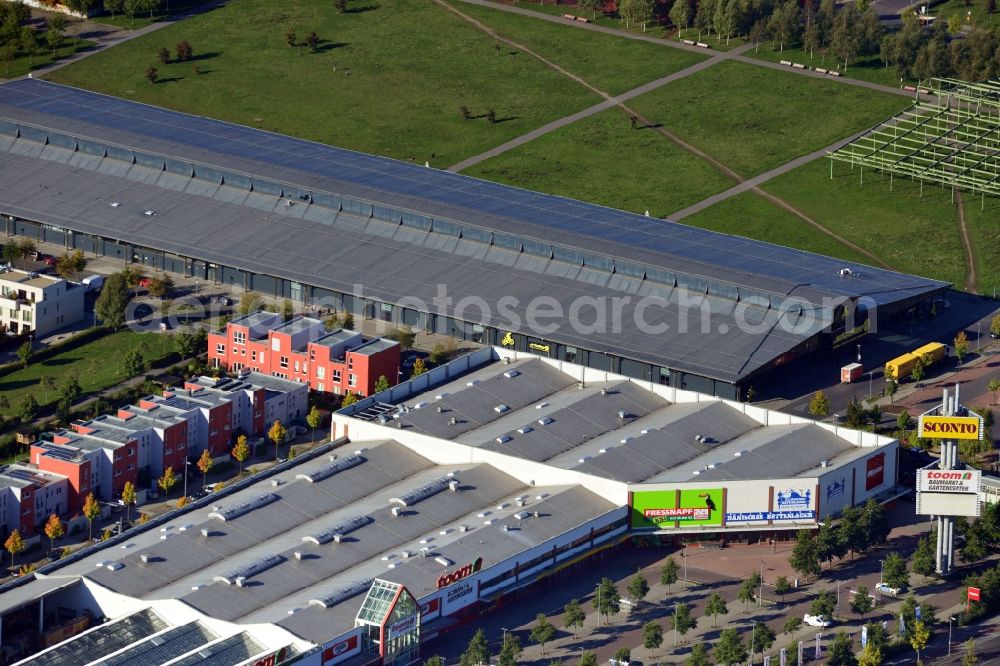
[(950, 137)]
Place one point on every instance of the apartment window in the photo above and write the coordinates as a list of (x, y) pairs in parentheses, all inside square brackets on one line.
[(26, 315), (320, 387), (131, 466), (283, 362), (237, 367), (321, 372), (118, 472), (352, 379), (262, 357), (350, 362), (220, 349), (168, 451), (296, 366), (243, 352), (240, 337), (253, 355), (336, 376), (275, 344)]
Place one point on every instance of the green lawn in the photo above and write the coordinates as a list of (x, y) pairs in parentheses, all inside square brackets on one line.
[(22, 64), (866, 68), (143, 19), (612, 64), (985, 234), (607, 20), (754, 217), (603, 160), (913, 235), (96, 365), (979, 16), (754, 119), (387, 80), (714, 40)]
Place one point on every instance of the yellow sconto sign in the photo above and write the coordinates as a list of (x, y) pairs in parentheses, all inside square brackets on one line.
[(951, 427)]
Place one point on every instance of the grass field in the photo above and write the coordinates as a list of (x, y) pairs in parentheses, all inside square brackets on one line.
[(22, 64), (985, 233), (603, 160), (911, 234), (714, 40), (96, 365), (979, 16), (142, 19), (754, 119), (867, 68), (388, 79), (586, 53), (600, 18), (754, 217)]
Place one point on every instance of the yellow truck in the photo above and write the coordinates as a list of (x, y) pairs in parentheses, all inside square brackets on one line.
[(931, 352), (901, 366)]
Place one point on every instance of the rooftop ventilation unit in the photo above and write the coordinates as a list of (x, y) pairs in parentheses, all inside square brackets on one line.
[(541, 496), (604, 391), (342, 594), (472, 382), (275, 483), (536, 514), (503, 439), (337, 532), (396, 512), (251, 569), (483, 514), (146, 558), (205, 532), (510, 374), (115, 204), (541, 405), (525, 429), (439, 409), (502, 505), (441, 396), (646, 431), (506, 528), (334, 467), (149, 213), (521, 502), (357, 452), (463, 528), (544, 421), (621, 416), (443, 561), (452, 421), (824, 463), (421, 493), (521, 515), (500, 409), (698, 438), (420, 405), (488, 522), (625, 440), (229, 513), (505, 360), (297, 555), (453, 485), (605, 449), (741, 452), (697, 472), (584, 459)]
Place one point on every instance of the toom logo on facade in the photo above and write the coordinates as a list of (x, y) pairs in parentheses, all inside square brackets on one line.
[(875, 473), (272, 659), (950, 476), (343, 647), (948, 481), (457, 575)]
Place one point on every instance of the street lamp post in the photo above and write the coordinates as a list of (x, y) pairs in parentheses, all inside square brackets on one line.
[(760, 593), (859, 353), (598, 604), (675, 624), (979, 334), (870, 373), (881, 569), (685, 559), (950, 620), (186, 463)]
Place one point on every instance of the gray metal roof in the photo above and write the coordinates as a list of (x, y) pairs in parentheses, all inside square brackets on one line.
[(101, 641), (336, 250)]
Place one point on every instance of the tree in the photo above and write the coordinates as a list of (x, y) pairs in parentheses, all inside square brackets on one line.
[(969, 658), (623, 655), (761, 638), (184, 51), (29, 43), (349, 399), (699, 656), (994, 388), (478, 651), (841, 651), (290, 38), (730, 648), (382, 384), (636, 11), (573, 615), (607, 601), (186, 344), (669, 573), (823, 604), (128, 499), (995, 325), (29, 409), (133, 363), (924, 558), (434, 660), (164, 55), (313, 419), (855, 416), (8, 51), (961, 342), (404, 335), (53, 39), (71, 389), (159, 287), (747, 593), (543, 631), (805, 557), (510, 651), (851, 531), (111, 304), (205, 463), (894, 571), (862, 602), (249, 302), (167, 481), (152, 74), (874, 524), (715, 606), (761, 32), (277, 434), (871, 655), (54, 529), (591, 5), (340, 6), (348, 321), (418, 367), (919, 634), (918, 372), (287, 310), (652, 635), (14, 545), (638, 588), (312, 41), (683, 621), (91, 510), (588, 659), (830, 541), (24, 353), (71, 264), (241, 451), (782, 587), (890, 389), (791, 625)]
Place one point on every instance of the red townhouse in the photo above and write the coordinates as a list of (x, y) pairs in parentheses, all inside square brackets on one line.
[(75, 464), (302, 350)]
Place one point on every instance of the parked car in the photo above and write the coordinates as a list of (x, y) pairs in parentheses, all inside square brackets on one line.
[(144, 282), (49, 260), (616, 662), (816, 620), (885, 588)]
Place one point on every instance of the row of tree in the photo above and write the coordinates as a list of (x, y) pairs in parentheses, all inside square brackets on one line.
[(858, 530)]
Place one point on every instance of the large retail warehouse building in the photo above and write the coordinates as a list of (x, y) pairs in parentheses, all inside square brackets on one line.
[(486, 477), (650, 299)]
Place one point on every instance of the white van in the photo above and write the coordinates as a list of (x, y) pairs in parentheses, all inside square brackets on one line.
[(93, 282)]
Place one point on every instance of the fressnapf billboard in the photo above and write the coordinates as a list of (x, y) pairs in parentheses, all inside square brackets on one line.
[(875, 471), (662, 508), (949, 480)]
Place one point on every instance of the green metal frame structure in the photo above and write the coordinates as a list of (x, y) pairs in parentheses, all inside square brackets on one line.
[(950, 136)]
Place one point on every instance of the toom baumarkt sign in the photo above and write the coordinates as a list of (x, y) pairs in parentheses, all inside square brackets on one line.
[(662, 508), (951, 427), (458, 574), (949, 481)]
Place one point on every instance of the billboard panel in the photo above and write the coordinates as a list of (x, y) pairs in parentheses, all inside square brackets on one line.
[(951, 427), (947, 504), (875, 471), (660, 508), (949, 481)]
